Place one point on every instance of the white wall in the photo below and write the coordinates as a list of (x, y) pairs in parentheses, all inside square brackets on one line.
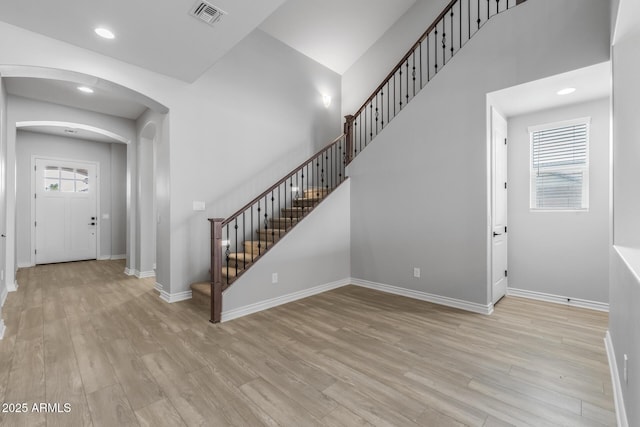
[(3, 198), (304, 258), (560, 253), (30, 144), (419, 191), (624, 294)]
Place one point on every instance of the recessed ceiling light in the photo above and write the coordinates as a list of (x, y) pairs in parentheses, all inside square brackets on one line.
[(104, 33), (85, 89), (566, 91)]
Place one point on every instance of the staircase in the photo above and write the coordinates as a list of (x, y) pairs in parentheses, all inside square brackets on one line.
[(240, 240)]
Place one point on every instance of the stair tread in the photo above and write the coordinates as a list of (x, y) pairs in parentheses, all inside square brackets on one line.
[(231, 272), (201, 288), (241, 256)]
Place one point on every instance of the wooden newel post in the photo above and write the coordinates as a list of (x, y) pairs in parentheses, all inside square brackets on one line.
[(348, 132), (216, 269)]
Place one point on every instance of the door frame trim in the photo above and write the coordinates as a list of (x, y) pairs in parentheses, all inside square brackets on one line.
[(32, 174)]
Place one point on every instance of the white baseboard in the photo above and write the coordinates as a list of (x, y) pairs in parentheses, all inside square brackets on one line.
[(159, 287), (2, 328), (104, 258), (424, 296), (3, 296), (117, 257), (621, 412), (26, 265), (177, 297), (145, 274), (12, 287), (284, 299), (559, 299), (129, 272)]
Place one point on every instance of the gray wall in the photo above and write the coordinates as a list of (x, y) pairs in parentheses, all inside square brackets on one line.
[(315, 252), (259, 115), (560, 253), (373, 66), (419, 191), (35, 144), (624, 292), (118, 199)]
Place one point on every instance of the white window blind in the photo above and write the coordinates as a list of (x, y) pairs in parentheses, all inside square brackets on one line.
[(560, 167)]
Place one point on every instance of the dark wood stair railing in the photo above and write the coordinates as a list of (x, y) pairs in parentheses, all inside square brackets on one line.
[(455, 25), (244, 237), (314, 179)]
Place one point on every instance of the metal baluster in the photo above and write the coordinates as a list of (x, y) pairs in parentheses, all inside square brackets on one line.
[(407, 79), (488, 9), (244, 233), (236, 244), (382, 107), (444, 40), (370, 124), (435, 49), (429, 59), (227, 252), (413, 73), (400, 87), (420, 65), (460, 22), (478, 17), (452, 33), (266, 224), (377, 115), (394, 94), (388, 99)]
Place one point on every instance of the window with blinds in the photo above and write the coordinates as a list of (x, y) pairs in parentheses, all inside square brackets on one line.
[(560, 166)]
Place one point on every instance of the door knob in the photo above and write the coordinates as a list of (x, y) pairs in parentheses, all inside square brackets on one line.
[(496, 234)]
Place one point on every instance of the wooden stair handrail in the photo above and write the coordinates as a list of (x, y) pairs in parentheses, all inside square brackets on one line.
[(415, 46), (274, 186)]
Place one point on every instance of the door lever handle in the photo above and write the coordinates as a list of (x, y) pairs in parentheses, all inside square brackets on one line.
[(496, 234)]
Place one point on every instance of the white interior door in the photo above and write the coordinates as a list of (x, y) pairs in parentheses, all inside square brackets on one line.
[(499, 275), (65, 211)]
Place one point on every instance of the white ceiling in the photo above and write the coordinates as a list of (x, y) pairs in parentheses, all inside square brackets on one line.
[(62, 131), (334, 33), (65, 93), (159, 35), (590, 83)]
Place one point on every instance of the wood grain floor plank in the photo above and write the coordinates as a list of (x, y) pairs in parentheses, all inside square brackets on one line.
[(88, 334), (109, 407), (159, 414)]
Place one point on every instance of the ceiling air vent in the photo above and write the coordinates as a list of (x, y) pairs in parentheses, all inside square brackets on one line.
[(207, 12)]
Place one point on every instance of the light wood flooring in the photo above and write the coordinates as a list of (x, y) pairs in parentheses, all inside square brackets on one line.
[(86, 334)]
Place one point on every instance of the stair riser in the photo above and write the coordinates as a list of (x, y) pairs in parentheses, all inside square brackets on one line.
[(294, 213), (319, 192), (305, 203), (268, 237), (249, 246), (283, 222)]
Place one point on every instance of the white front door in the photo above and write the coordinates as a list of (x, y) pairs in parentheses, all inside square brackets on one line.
[(499, 206), (65, 211)]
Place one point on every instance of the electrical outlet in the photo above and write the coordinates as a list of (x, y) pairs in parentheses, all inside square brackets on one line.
[(274, 278), (416, 272), (626, 369)]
